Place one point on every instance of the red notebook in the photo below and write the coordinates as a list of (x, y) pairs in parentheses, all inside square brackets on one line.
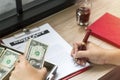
[(107, 28)]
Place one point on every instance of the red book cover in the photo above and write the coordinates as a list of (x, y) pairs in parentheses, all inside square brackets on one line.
[(107, 28)]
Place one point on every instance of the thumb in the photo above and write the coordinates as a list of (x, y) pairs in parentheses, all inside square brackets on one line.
[(43, 71)]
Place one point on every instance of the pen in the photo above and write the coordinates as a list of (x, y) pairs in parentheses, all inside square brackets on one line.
[(84, 41), (83, 45)]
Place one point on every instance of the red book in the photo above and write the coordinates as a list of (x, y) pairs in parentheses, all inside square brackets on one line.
[(107, 28)]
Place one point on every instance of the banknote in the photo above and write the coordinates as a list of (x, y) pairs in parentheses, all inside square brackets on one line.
[(35, 53), (1, 50), (8, 58), (3, 72)]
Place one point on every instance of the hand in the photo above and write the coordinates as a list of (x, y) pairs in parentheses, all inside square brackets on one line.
[(93, 53), (24, 71)]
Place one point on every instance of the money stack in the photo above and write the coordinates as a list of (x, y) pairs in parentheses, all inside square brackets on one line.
[(35, 53), (8, 57)]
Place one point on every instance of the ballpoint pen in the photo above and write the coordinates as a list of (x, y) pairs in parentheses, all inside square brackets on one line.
[(83, 45)]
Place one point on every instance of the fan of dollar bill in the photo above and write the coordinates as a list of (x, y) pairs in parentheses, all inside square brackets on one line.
[(35, 52), (8, 58)]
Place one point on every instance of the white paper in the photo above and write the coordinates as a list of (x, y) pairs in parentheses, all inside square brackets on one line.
[(58, 51)]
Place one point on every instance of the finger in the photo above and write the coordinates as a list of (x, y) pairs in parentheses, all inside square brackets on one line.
[(76, 45), (16, 63), (10, 78), (81, 62), (20, 62), (22, 59), (12, 75), (43, 71), (81, 57), (81, 54), (73, 50)]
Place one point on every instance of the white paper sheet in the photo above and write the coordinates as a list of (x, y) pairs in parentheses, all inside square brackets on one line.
[(58, 51)]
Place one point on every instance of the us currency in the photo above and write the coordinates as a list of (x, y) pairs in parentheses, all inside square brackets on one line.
[(1, 50), (35, 53), (3, 72), (9, 58), (7, 62)]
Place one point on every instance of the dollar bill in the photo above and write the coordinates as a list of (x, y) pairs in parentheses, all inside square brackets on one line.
[(3, 72), (1, 50), (9, 58), (35, 53)]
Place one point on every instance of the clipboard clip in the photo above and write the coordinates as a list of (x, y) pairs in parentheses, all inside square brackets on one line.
[(26, 31)]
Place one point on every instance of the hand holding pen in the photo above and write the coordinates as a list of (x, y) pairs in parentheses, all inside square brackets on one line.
[(81, 46)]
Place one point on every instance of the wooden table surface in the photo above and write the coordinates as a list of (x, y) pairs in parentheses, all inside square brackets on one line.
[(64, 22)]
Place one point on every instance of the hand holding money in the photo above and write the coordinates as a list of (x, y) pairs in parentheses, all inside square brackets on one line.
[(35, 52), (23, 68), (35, 55)]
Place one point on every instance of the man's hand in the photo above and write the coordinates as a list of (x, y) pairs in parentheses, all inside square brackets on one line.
[(24, 71)]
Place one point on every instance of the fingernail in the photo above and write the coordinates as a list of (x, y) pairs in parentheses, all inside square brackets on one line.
[(83, 63)]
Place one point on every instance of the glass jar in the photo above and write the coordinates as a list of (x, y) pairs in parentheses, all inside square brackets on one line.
[(83, 12)]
